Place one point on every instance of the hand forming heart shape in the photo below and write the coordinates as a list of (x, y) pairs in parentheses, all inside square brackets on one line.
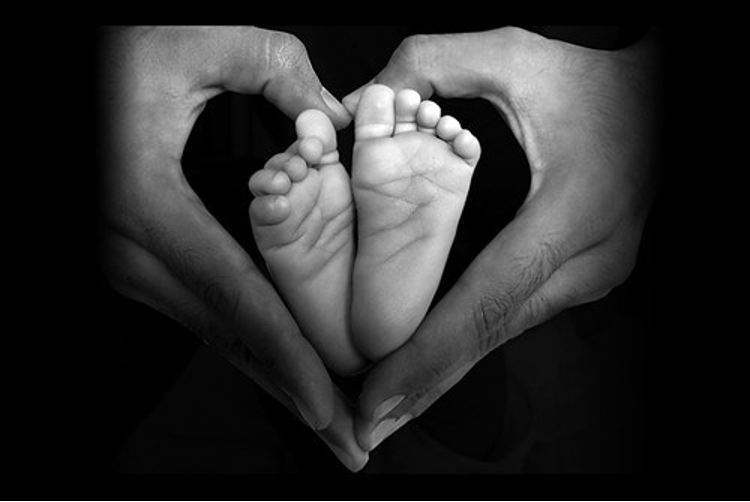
[(585, 118)]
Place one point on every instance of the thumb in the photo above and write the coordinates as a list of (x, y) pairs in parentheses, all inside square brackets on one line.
[(451, 66), (275, 64), (475, 316), (404, 384)]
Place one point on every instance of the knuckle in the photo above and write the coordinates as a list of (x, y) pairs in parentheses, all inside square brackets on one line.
[(285, 51), (409, 53), (490, 315), (496, 311), (539, 308), (219, 298)]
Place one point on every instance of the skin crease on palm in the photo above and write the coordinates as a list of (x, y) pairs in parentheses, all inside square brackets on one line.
[(583, 118)]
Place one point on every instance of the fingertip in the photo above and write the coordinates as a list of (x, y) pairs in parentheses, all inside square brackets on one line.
[(338, 113), (294, 98), (351, 100), (317, 421), (354, 462), (360, 463), (340, 437), (341, 121), (386, 418), (381, 393), (384, 429), (350, 103), (314, 399), (405, 383)]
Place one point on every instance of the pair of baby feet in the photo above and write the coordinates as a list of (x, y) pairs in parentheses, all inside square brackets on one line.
[(358, 295)]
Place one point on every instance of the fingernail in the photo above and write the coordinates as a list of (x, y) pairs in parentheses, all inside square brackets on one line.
[(386, 428), (350, 103), (332, 103), (386, 407), (351, 100), (307, 415), (353, 462)]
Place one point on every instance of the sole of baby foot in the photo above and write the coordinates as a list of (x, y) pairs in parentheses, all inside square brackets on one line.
[(303, 222), (411, 173)]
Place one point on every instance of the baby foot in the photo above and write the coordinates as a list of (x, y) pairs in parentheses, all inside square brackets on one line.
[(303, 221), (410, 178)]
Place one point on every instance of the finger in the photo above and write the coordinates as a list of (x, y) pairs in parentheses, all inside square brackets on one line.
[(351, 100), (338, 434), (160, 290), (585, 277), (177, 230), (451, 66), (406, 383), (276, 64), (340, 437), (137, 274), (537, 266)]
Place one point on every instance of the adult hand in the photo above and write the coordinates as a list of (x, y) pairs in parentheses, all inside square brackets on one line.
[(585, 119), (159, 244)]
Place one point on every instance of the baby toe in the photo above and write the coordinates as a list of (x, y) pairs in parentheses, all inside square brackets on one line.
[(428, 116), (466, 145), (311, 149), (296, 169), (448, 128), (269, 182), (269, 210), (314, 123), (278, 161), (407, 104)]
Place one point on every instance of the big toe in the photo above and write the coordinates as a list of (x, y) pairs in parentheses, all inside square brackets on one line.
[(375, 113), (317, 137)]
